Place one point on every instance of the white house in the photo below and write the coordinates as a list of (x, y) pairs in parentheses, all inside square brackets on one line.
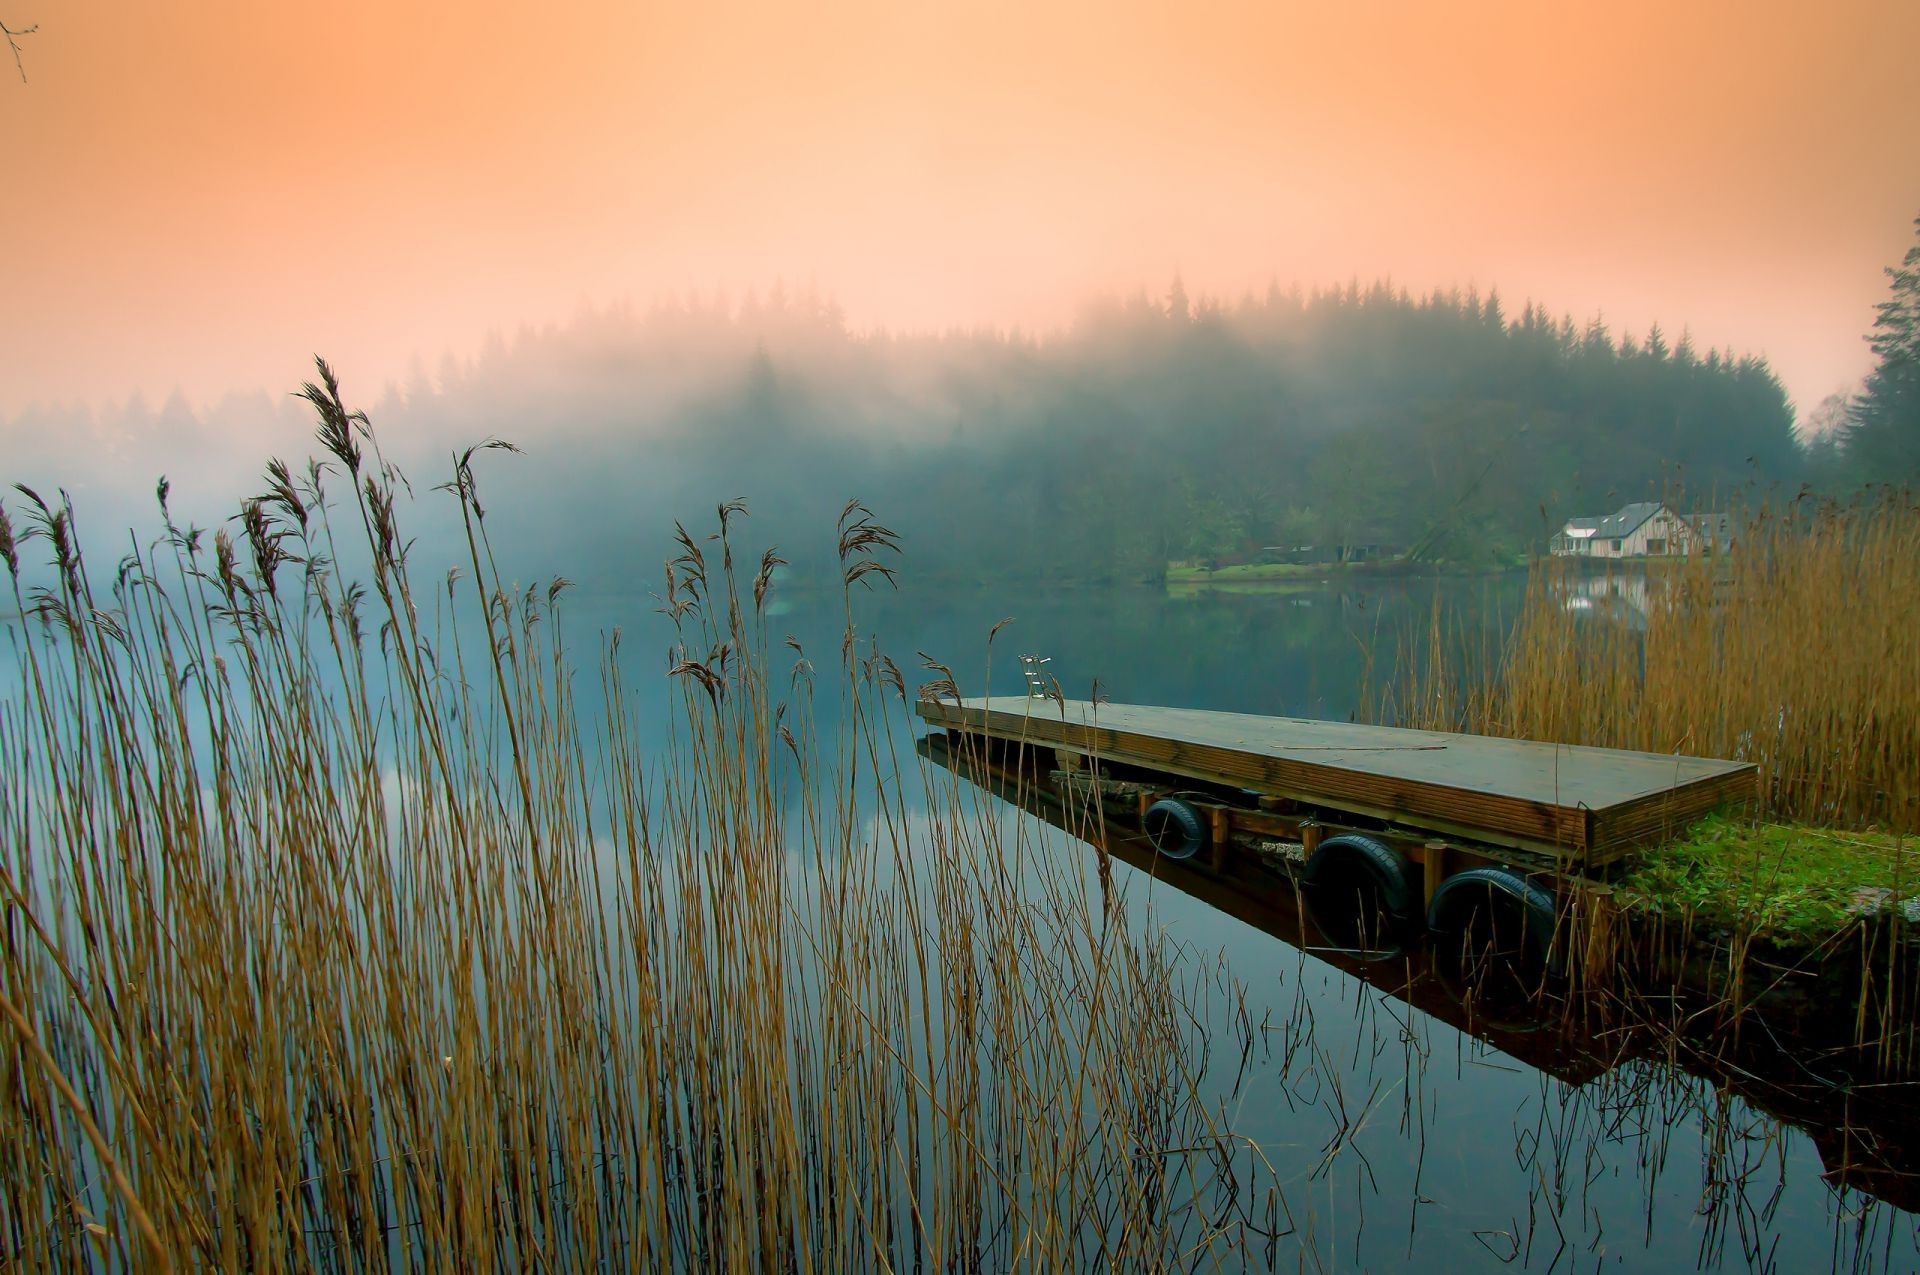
[(1644, 529)]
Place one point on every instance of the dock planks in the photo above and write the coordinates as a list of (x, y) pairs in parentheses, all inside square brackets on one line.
[(1583, 807)]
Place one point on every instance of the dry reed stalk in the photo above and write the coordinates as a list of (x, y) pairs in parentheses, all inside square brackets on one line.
[(366, 944), (1794, 651)]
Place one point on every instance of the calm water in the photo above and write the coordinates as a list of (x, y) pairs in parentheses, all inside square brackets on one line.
[(1382, 1136), (1391, 1137)]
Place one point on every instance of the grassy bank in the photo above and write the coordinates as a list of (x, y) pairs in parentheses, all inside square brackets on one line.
[(1251, 571), (1281, 573), (1790, 885)]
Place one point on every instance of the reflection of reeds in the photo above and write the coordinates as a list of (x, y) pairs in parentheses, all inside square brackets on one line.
[(335, 937)]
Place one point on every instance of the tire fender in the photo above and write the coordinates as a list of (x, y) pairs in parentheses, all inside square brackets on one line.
[(1467, 891), (1358, 865), (1175, 828)]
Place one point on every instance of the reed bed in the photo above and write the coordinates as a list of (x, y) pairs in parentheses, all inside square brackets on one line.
[(1796, 650), (342, 934)]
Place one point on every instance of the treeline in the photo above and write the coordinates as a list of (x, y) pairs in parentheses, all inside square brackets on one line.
[(1874, 435), (1433, 427), (1153, 429)]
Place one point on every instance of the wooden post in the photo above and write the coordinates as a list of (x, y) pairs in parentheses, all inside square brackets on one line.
[(1221, 838), (1600, 953), (1435, 865), (1310, 834)]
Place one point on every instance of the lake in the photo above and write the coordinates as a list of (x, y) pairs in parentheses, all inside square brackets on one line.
[(1369, 1133), (1396, 1139)]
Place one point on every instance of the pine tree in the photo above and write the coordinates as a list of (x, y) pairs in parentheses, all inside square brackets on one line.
[(1883, 433), (1598, 341), (1178, 307)]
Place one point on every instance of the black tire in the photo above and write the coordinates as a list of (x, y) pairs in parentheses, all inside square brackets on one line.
[(1361, 894), (1175, 828), (1492, 920)]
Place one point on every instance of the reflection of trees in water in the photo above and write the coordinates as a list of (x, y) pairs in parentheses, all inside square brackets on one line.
[(1314, 652)]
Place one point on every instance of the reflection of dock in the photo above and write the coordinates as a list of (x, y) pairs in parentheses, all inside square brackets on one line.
[(1868, 1136), (1564, 806), (1252, 892)]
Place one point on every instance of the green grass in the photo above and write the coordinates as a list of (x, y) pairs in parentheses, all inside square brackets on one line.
[(1788, 883)]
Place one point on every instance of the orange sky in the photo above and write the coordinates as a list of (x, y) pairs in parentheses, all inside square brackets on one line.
[(197, 196)]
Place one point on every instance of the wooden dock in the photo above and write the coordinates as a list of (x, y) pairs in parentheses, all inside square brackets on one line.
[(1578, 807), (1866, 1136)]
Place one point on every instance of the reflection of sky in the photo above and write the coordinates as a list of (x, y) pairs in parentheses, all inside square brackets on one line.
[(1397, 1141), (1370, 1118), (1478, 1153)]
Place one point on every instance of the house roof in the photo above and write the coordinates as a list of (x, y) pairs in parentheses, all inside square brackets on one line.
[(1628, 519), (1614, 525), (1715, 527)]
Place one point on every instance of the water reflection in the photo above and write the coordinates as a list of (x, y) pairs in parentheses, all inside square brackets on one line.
[(1389, 1121), (1395, 1123), (1625, 596)]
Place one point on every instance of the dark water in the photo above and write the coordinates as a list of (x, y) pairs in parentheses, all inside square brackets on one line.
[(1392, 1132), (1399, 1139), (1399, 1117), (1382, 1131)]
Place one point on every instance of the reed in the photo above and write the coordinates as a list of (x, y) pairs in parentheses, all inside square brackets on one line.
[(1794, 651), (342, 932)]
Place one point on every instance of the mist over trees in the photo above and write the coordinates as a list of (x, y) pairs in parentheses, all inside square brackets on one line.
[(1154, 429)]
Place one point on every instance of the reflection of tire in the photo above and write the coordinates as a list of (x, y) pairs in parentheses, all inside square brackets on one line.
[(1361, 894), (1493, 913), (1175, 828)]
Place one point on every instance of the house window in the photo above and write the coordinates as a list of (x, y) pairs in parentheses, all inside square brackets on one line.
[(1616, 545), (1655, 546)]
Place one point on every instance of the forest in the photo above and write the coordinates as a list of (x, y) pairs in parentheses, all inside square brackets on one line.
[(1354, 421)]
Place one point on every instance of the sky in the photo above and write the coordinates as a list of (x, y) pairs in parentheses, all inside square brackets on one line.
[(196, 197)]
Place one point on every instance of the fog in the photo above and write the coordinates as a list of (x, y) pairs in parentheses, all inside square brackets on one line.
[(1449, 428)]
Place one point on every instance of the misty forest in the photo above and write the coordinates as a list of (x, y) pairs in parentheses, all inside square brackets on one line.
[(1351, 420)]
